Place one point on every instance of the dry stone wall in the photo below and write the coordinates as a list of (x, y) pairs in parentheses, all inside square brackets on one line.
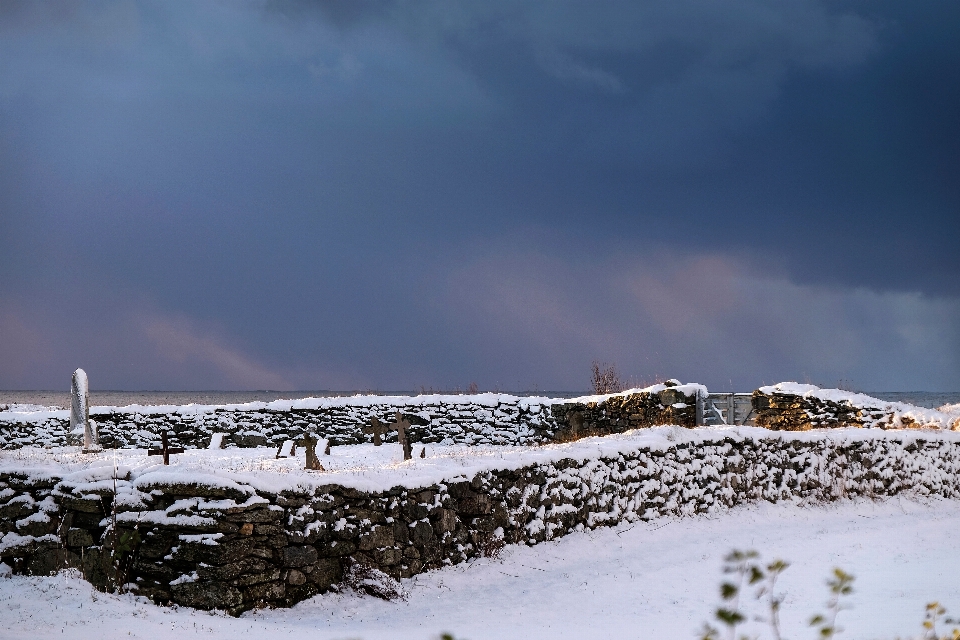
[(485, 419), (796, 407), (215, 543)]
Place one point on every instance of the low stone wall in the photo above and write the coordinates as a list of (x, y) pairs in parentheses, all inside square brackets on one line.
[(480, 419), (796, 407), (622, 412), (211, 542)]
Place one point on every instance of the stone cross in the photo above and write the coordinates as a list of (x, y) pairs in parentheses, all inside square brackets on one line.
[(80, 411), (401, 426), (377, 428), (309, 444), (164, 450)]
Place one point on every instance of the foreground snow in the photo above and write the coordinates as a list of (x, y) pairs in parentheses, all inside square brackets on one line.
[(650, 580)]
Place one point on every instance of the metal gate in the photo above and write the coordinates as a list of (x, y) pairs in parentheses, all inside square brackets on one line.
[(725, 409)]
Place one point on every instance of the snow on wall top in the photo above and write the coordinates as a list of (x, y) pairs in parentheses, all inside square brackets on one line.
[(935, 418), (369, 468)]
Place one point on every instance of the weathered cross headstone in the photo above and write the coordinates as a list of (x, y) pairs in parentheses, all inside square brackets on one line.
[(309, 444), (165, 450), (377, 428), (80, 411), (401, 425)]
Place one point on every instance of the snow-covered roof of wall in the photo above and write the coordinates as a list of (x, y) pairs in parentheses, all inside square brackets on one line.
[(370, 468)]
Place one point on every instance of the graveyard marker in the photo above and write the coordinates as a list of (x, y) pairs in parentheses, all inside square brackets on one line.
[(164, 450), (401, 426), (377, 428), (309, 444)]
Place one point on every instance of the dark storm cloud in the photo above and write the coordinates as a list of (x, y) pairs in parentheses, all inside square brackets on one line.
[(380, 194)]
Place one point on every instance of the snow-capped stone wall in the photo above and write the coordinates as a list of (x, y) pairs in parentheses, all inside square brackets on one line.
[(238, 541), (789, 406), (487, 418)]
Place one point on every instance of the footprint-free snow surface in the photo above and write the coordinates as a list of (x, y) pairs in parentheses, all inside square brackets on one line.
[(655, 579)]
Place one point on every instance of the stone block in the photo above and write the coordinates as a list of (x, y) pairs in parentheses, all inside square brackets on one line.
[(446, 521), (295, 577), (256, 516), (268, 591), (98, 567), (339, 548), (224, 552), (82, 504), (475, 504), (401, 533), (267, 530), (195, 490), (388, 557), (379, 536), (36, 527), (86, 520), (45, 561), (326, 571), (206, 595), (422, 533), (156, 572), (256, 578), (299, 593), (233, 570), (299, 556), (79, 538), (157, 545), (15, 511)]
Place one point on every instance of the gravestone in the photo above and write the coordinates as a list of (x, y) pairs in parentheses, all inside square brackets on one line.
[(287, 450), (216, 441), (165, 449), (80, 411), (377, 428), (309, 444), (401, 425)]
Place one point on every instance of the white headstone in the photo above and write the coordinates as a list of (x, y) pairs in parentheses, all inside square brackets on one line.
[(287, 449), (216, 441), (80, 410)]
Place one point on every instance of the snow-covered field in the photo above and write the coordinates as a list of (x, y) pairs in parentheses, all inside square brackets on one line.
[(655, 579)]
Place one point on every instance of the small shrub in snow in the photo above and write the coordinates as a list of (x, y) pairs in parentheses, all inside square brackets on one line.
[(363, 578), (491, 545), (747, 572), (605, 379)]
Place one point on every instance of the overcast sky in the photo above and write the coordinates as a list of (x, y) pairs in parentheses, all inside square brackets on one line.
[(389, 195)]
